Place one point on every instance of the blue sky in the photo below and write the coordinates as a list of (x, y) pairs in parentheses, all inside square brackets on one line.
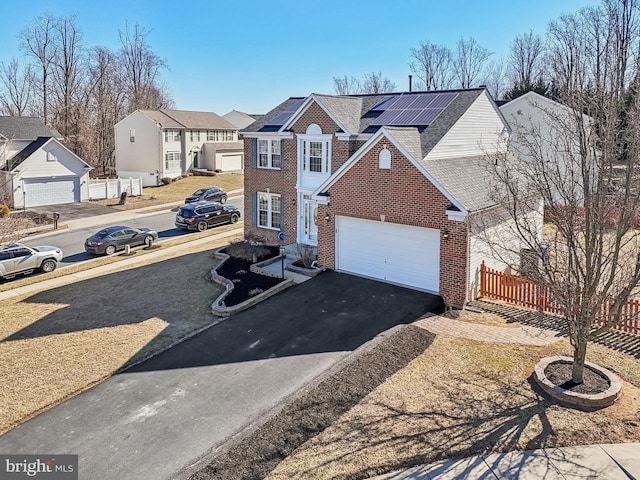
[(251, 55)]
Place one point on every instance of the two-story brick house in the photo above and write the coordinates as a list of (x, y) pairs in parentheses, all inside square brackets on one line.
[(383, 185)]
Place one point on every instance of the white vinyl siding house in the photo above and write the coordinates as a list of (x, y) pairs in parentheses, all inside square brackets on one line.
[(170, 143), (47, 173)]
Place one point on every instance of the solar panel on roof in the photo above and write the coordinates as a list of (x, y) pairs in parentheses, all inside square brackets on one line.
[(383, 104), (415, 109), (443, 100), (405, 118), (427, 116), (283, 117)]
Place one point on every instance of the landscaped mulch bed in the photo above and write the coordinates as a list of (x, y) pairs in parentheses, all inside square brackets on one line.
[(559, 373), (237, 268), (258, 453)]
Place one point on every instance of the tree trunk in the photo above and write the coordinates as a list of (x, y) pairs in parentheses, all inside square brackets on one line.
[(579, 355)]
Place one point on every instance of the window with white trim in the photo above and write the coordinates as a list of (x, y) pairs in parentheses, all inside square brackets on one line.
[(171, 136), (172, 160), (51, 156), (220, 136), (315, 156), (195, 135), (269, 154), (132, 136), (269, 210)]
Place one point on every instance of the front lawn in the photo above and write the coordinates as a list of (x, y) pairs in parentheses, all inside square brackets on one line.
[(177, 191), (58, 342)]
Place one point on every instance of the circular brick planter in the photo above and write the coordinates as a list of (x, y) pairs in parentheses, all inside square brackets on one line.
[(580, 400)]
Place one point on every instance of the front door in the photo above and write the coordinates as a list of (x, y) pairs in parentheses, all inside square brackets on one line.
[(310, 221), (195, 159)]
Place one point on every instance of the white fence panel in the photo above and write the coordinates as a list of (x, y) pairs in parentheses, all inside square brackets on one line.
[(113, 188)]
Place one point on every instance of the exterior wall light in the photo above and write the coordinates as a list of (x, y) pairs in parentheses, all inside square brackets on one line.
[(445, 234)]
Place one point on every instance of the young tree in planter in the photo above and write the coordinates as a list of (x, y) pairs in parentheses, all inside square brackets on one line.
[(583, 160)]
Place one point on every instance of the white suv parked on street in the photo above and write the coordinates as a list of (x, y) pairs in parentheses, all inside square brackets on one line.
[(17, 258)]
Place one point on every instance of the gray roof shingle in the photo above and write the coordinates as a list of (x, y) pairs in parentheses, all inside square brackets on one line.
[(25, 153), (189, 119), (356, 114), (25, 128)]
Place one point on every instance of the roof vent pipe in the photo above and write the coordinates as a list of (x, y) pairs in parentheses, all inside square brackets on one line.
[(410, 77)]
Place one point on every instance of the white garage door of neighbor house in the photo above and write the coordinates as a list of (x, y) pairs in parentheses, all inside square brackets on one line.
[(399, 254), (229, 162), (51, 191)]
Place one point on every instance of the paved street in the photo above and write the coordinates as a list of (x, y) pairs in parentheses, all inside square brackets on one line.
[(162, 415)]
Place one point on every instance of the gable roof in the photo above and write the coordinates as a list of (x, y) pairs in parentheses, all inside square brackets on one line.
[(188, 119), (20, 157), (25, 128), (451, 178), (240, 119), (357, 114)]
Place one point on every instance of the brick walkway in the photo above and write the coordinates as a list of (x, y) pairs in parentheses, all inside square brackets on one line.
[(524, 326), (520, 334)]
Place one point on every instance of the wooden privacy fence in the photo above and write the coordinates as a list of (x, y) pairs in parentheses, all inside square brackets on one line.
[(521, 291)]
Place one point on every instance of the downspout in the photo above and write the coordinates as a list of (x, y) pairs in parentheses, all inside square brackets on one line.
[(468, 269)]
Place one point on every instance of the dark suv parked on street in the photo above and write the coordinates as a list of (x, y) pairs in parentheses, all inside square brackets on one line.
[(209, 194), (202, 215)]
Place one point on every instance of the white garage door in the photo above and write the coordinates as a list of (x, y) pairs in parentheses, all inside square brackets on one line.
[(228, 162), (394, 253), (51, 191)]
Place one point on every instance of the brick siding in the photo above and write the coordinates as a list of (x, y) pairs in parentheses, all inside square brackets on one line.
[(402, 194)]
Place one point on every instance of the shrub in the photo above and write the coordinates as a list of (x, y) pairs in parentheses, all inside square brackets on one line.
[(248, 252), (4, 211), (307, 255), (204, 173), (255, 291), (166, 180)]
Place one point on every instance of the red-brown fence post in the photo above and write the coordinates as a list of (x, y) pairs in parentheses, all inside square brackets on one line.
[(483, 273)]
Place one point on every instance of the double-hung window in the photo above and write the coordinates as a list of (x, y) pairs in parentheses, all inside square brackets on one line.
[(269, 154), (172, 160), (171, 136), (195, 135), (315, 156), (269, 210)]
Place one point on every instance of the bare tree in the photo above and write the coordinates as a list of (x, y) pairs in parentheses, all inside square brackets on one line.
[(469, 60), (496, 79), (586, 169), (375, 83), (141, 67), (345, 85), (432, 64), (526, 53), (36, 39), (68, 75), (18, 81)]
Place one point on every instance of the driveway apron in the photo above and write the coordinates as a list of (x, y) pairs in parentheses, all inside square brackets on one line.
[(159, 417)]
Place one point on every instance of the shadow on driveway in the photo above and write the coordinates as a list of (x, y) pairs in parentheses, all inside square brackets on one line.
[(333, 312)]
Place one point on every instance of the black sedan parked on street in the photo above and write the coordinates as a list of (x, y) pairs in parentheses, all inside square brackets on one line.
[(209, 194), (202, 215), (111, 239)]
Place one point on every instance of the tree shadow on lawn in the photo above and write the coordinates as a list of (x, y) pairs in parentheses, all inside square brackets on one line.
[(330, 313), (385, 438), (178, 291)]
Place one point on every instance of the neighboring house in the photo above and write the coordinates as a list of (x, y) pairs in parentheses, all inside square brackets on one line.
[(241, 119), (154, 144), (382, 185), (36, 168), (543, 131)]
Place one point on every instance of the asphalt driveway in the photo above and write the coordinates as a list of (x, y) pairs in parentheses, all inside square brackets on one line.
[(159, 417)]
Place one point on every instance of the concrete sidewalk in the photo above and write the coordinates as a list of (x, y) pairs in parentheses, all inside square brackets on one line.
[(604, 462)]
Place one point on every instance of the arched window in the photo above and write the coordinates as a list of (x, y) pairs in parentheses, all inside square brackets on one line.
[(384, 159)]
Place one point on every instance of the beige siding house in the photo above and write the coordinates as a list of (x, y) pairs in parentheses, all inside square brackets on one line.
[(154, 144)]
